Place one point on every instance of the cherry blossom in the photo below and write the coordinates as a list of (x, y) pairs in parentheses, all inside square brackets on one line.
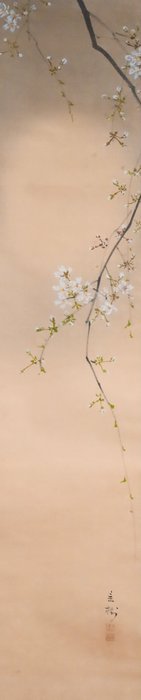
[(107, 307), (3, 9), (123, 285), (133, 62), (72, 292), (12, 20)]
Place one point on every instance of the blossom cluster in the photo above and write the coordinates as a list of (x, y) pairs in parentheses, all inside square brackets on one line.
[(53, 68), (123, 285), (72, 292), (118, 100), (107, 307), (133, 38), (12, 18), (75, 293), (117, 287), (133, 62)]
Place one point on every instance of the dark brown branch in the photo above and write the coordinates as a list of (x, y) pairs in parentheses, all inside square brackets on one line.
[(126, 228), (91, 363), (87, 19)]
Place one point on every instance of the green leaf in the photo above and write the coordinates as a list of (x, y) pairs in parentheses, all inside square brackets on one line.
[(128, 324), (52, 328), (69, 318), (34, 360), (132, 497), (123, 481)]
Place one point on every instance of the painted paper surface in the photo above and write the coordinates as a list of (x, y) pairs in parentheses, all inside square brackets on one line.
[(70, 548)]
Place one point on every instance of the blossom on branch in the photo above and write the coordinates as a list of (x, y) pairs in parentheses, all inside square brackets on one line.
[(72, 292), (123, 285), (107, 307), (12, 18), (133, 62)]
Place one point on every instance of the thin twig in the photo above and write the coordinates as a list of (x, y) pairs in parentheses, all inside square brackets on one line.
[(126, 228)]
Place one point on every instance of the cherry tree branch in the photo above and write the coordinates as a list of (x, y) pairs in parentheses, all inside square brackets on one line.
[(116, 245), (91, 362), (87, 19)]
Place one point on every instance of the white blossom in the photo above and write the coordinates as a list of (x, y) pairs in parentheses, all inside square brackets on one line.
[(133, 62), (3, 9), (72, 292), (12, 20), (64, 61), (63, 272), (76, 293), (122, 115), (117, 93), (115, 182), (123, 285), (107, 307)]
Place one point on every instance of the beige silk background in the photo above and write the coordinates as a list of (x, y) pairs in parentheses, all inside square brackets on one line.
[(67, 536)]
